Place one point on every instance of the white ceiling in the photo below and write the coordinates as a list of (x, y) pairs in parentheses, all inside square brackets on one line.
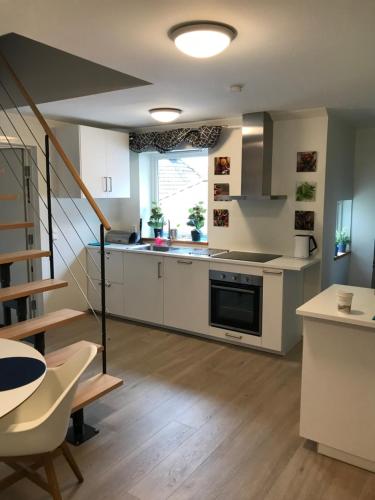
[(289, 54)]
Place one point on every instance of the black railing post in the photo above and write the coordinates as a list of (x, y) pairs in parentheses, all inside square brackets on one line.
[(49, 208), (103, 305)]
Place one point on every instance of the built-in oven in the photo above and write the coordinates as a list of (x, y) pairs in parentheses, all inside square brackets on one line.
[(236, 302)]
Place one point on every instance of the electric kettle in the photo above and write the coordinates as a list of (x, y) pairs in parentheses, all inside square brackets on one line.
[(304, 245)]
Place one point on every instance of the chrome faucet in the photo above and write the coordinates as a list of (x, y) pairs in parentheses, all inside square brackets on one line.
[(169, 239)]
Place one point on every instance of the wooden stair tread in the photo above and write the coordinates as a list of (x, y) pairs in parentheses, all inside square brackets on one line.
[(60, 356), (42, 323), (16, 225), (7, 197), (9, 257), (27, 289), (94, 388)]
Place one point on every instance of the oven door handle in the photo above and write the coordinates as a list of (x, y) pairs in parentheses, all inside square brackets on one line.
[(233, 289)]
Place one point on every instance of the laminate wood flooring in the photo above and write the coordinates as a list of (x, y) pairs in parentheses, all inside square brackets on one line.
[(195, 420)]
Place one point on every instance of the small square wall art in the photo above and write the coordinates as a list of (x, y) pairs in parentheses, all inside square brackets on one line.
[(304, 220), (221, 217), (307, 161), (221, 190), (222, 165), (306, 191)]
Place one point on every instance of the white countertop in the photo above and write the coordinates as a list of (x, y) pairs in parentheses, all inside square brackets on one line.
[(286, 263), (324, 306)]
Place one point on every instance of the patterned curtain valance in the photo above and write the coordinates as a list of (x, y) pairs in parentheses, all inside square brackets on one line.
[(202, 137)]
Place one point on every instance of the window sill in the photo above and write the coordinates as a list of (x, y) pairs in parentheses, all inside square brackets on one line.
[(341, 255), (180, 242)]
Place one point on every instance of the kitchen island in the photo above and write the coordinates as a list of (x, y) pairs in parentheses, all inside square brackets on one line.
[(338, 376)]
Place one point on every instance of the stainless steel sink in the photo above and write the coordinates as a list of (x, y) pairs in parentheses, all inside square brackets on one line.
[(157, 248), (183, 250)]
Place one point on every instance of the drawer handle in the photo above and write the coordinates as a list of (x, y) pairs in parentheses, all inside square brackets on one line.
[(233, 335), (106, 284), (272, 272), (185, 262)]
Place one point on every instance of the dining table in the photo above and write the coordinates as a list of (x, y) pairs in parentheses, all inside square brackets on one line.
[(22, 370)]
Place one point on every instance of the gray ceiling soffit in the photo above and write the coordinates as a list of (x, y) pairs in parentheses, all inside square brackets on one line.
[(51, 74)]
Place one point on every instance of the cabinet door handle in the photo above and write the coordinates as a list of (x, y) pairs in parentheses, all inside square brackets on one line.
[(272, 272), (184, 262), (110, 184), (233, 335), (160, 275), (105, 184)]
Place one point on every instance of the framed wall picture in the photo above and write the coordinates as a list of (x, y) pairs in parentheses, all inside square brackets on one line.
[(307, 161), (306, 191), (221, 190), (221, 217), (222, 165), (304, 220)]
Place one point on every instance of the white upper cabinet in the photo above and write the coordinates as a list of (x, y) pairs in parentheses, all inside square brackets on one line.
[(117, 160), (101, 158)]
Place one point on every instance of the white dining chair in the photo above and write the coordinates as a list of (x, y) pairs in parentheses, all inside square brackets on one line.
[(35, 431)]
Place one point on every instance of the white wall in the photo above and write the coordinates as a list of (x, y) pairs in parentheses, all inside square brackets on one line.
[(363, 231), (339, 186), (268, 226), (121, 213)]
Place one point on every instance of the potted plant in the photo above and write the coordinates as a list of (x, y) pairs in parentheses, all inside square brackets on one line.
[(196, 220), (342, 240), (157, 220)]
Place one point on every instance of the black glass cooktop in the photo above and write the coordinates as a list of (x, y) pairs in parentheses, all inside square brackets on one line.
[(247, 256)]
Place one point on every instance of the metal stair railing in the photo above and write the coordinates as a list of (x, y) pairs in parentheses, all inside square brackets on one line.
[(104, 224)]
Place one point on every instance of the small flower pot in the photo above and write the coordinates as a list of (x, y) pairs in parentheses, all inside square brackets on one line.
[(158, 232), (341, 247), (195, 235)]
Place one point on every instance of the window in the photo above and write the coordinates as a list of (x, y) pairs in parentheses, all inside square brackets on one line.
[(343, 226), (180, 182)]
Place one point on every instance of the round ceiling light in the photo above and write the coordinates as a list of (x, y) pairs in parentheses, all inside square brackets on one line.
[(165, 115), (202, 38)]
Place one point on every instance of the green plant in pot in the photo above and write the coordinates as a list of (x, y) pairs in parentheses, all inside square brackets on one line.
[(196, 220), (157, 220), (342, 240)]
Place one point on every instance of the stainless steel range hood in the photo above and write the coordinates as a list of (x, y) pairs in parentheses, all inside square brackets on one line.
[(256, 176)]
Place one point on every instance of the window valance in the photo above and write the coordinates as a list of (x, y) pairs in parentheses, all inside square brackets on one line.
[(202, 137)]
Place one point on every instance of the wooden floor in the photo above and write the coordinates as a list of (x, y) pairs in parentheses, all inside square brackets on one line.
[(197, 420)]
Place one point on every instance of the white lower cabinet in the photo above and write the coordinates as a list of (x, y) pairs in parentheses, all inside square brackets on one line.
[(143, 287), (186, 294), (113, 264), (174, 292), (272, 309), (114, 296)]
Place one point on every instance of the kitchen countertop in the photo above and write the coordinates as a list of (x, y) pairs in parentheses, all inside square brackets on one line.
[(324, 306), (284, 262)]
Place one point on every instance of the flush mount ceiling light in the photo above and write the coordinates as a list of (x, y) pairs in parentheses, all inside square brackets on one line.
[(202, 38), (165, 115)]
